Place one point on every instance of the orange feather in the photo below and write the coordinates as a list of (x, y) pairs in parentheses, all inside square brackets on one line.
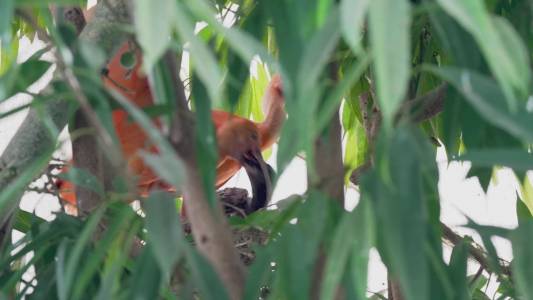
[(134, 86)]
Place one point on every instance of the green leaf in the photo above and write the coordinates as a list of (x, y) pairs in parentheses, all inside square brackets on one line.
[(258, 85), (205, 138), (166, 164), (485, 96), (205, 63), (244, 44), (69, 265), (523, 260), (300, 131), (389, 37), (8, 55), (164, 230), (479, 295), (356, 147), (6, 13), (24, 220), (92, 55), (338, 257), (21, 77), (122, 223), (205, 277), (353, 73), (523, 214), (260, 273), (243, 107), (476, 284), (526, 189), (11, 193), (349, 253), (146, 279), (45, 3), (82, 178), (167, 167), (296, 266), (154, 24), (516, 159), (500, 45), (401, 210), (318, 53), (353, 13), (516, 51), (458, 271)]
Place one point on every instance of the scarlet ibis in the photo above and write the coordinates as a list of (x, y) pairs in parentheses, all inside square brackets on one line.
[(240, 140)]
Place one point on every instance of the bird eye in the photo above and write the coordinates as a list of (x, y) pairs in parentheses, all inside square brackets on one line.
[(254, 136), (279, 90)]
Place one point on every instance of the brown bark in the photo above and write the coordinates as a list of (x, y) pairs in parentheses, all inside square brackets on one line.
[(86, 154), (419, 109), (474, 251), (330, 173), (33, 138), (209, 227), (394, 290), (328, 161)]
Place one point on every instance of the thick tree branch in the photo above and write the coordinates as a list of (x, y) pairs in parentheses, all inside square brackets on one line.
[(86, 154), (33, 138), (394, 291), (328, 153), (330, 173), (328, 161), (209, 227)]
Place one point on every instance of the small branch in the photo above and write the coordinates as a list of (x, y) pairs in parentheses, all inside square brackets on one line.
[(428, 105), (474, 250), (420, 109), (70, 14)]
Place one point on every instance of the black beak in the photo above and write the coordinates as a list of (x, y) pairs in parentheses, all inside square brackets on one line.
[(261, 175)]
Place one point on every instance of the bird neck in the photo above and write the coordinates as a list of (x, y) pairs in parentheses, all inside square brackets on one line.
[(270, 127)]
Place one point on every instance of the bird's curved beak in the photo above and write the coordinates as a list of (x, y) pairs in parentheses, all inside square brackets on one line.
[(261, 175)]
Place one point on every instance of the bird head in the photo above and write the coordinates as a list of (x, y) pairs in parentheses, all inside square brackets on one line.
[(236, 137), (239, 139)]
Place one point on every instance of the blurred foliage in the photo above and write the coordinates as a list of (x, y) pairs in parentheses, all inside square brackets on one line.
[(390, 51)]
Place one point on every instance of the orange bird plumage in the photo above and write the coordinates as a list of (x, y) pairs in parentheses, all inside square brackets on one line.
[(239, 140)]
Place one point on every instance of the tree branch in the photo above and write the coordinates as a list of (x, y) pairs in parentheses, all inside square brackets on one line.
[(330, 171), (86, 154), (474, 250), (419, 109), (428, 105), (209, 227)]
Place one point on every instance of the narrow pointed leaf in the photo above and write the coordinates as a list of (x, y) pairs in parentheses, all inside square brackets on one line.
[(389, 36)]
